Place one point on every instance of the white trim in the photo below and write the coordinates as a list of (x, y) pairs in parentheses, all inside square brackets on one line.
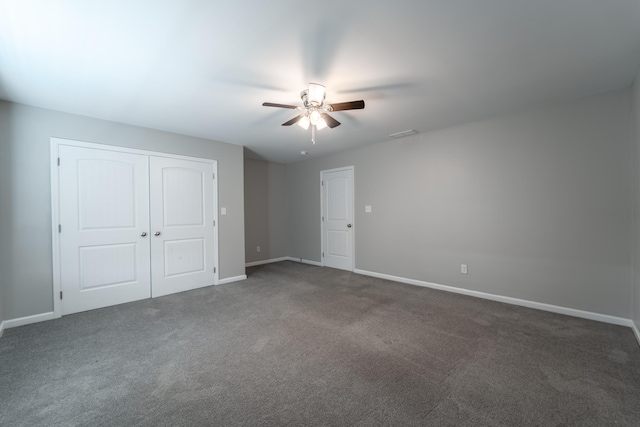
[(265, 261), (55, 220), (99, 146), (508, 300), (353, 214), (636, 332), (1, 328), (304, 261), (232, 279), (343, 168), (216, 221), (321, 221), (21, 321)]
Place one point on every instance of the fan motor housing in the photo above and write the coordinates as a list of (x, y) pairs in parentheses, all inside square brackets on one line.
[(304, 95)]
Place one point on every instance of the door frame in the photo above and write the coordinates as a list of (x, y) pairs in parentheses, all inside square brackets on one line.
[(353, 213), (54, 144)]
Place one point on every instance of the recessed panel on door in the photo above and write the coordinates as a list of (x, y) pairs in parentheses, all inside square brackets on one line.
[(114, 205), (338, 243), (183, 197), (184, 256), (107, 265), (337, 197), (104, 212)]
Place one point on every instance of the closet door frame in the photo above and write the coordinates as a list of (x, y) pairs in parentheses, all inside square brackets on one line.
[(55, 143)]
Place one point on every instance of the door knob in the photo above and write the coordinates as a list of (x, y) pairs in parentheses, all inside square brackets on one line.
[(348, 225), (157, 233), (144, 234)]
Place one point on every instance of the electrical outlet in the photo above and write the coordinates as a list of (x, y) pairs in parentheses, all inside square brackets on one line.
[(257, 248), (223, 211), (367, 209), (463, 268)]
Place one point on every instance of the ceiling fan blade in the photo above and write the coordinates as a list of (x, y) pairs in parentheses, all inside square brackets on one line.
[(271, 104), (292, 121), (353, 105), (330, 121)]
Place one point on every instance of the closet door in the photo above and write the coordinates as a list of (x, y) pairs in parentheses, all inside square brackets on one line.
[(182, 227), (104, 226)]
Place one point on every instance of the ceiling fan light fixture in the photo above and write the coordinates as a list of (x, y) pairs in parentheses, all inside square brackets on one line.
[(304, 122), (320, 124), (316, 94), (314, 113), (315, 117)]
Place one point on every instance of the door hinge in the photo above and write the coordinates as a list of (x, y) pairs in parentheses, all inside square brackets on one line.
[(322, 254), (323, 218), (58, 161), (59, 228), (60, 294), (214, 175), (215, 270), (214, 222), (322, 183)]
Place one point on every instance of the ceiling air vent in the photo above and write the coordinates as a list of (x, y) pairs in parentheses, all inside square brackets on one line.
[(404, 133)]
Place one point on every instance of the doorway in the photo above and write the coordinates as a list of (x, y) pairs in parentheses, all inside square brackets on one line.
[(338, 225), (129, 224)]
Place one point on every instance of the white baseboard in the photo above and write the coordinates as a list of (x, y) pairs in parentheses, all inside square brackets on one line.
[(21, 321), (266, 261), (508, 300), (232, 279), (1, 328), (304, 261), (636, 331)]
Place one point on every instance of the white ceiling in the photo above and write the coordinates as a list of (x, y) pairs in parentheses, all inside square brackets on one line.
[(203, 68)]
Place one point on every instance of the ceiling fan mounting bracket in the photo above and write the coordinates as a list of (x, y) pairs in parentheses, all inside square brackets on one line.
[(304, 95)]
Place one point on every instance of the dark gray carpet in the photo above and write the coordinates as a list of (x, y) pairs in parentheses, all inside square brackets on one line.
[(302, 345)]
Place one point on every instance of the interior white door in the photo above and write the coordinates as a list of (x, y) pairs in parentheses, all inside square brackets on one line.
[(104, 221), (182, 225), (337, 218)]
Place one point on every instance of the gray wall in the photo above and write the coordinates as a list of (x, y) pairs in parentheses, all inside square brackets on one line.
[(539, 205), (265, 201), (25, 221), (636, 217)]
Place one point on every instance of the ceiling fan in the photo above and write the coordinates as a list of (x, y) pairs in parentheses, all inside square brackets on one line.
[(315, 111)]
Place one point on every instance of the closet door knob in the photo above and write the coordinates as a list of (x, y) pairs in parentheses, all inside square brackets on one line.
[(144, 234), (157, 233)]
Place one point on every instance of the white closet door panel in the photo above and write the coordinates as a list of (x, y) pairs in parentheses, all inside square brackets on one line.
[(107, 265), (114, 205), (182, 227), (104, 209), (183, 197), (184, 256)]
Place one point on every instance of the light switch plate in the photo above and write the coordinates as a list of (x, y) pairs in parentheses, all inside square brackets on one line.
[(367, 209), (223, 211)]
